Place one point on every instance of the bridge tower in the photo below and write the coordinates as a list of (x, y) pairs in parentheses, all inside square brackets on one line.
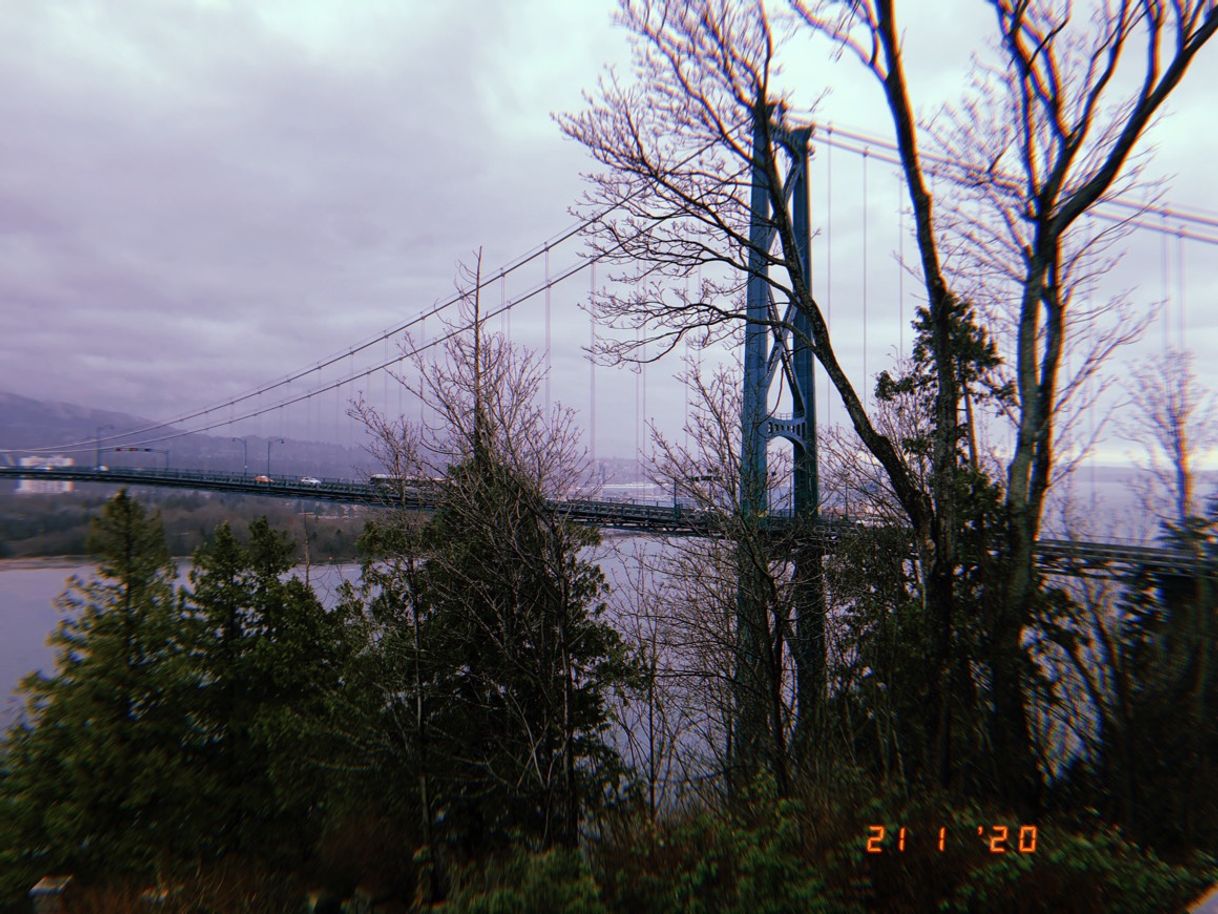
[(770, 346)]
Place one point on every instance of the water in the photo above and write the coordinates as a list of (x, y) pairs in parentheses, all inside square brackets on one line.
[(27, 618)]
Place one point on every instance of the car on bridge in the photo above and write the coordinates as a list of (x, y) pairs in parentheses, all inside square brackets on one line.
[(262, 477), (310, 481)]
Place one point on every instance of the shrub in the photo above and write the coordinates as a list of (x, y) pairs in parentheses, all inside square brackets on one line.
[(555, 882), (748, 861), (1100, 872)]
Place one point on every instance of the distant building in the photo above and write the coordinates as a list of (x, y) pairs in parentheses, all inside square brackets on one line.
[(45, 486), (643, 492)]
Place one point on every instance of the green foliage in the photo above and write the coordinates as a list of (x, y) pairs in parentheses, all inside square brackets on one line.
[(530, 662), (554, 882), (1077, 866), (103, 753), (488, 666), (1099, 873), (265, 654), (1152, 764), (174, 730), (751, 860)]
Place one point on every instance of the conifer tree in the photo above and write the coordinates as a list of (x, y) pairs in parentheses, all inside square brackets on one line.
[(103, 751), (263, 652)]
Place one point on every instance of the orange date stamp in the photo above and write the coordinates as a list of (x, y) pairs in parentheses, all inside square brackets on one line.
[(998, 839)]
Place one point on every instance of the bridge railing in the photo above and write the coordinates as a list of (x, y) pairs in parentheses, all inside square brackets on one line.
[(1055, 555)]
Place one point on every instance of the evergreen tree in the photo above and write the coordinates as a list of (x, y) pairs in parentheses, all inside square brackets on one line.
[(504, 653), (529, 661), (97, 775), (264, 655)]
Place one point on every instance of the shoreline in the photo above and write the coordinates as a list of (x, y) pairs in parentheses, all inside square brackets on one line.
[(47, 562), (35, 562)]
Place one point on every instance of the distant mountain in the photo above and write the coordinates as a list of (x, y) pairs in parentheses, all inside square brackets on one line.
[(30, 423)]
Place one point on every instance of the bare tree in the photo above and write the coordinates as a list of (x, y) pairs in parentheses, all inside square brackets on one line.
[(1173, 419), (659, 723), (1069, 136), (728, 670), (678, 155)]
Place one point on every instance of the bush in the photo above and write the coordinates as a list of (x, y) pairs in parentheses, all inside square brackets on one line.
[(750, 861), (1101, 873), (1081, 870), (555, 882)]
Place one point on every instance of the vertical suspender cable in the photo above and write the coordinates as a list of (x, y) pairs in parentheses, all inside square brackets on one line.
[(1180, 288), (592, 363), (419, 363), (866, 381), (643, 378), (1165, 316), (638, 386), (829, 254), (685, 387), (1091, 409), (901, 264), (548, 366)]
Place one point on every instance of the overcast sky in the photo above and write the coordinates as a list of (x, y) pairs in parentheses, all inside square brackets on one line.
[(197, 197)]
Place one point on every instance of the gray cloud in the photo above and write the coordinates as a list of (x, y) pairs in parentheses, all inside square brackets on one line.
[(196, 197)]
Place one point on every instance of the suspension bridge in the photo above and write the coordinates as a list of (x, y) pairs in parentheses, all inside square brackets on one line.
[(300, 400), (1075, 557)]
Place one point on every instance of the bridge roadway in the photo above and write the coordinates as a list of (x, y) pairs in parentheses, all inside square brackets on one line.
[(1072, 557)]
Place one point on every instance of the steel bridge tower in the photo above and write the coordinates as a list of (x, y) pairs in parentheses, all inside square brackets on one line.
[(770, 346)]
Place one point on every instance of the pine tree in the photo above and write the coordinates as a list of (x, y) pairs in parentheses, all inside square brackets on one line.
[(264, 651), (97, 777), (529, 663)]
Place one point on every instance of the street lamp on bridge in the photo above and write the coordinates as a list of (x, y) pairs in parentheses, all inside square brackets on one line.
[(269, 442), (245, 457), (97, 435)]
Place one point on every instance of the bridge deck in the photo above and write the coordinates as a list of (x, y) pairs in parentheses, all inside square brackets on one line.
[(1054, 555)]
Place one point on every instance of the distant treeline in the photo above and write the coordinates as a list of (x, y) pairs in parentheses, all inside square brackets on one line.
[(58, 525)]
